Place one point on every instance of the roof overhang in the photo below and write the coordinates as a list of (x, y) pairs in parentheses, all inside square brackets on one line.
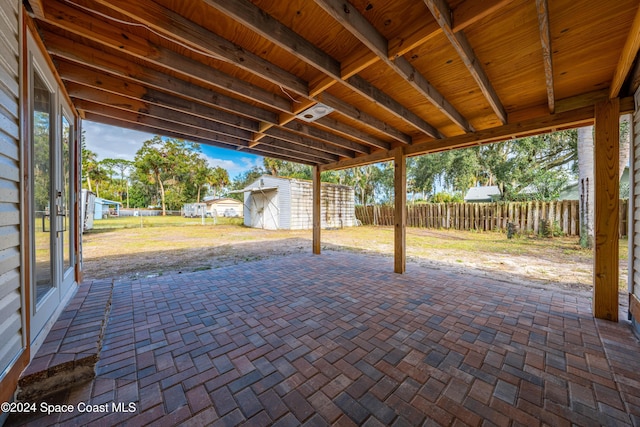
[(413, 75)]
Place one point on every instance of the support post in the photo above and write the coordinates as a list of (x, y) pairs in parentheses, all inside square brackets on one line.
[(606, 217), (400, 214), (317, 221)]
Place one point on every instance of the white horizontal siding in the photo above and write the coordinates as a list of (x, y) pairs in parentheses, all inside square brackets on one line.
[(11, 333)]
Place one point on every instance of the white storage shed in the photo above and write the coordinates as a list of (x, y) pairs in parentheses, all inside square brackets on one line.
[(275, 203)]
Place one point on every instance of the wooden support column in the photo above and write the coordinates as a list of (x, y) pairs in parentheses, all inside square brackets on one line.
[(400, 214), (606, 217), (317, 221)]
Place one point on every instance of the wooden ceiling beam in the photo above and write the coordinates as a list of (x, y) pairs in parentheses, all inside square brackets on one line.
[(547, 55), (82, 24), (82, 88), (414, 35), (268, 27), (354, 113), (441, 12), (418, 32), (357, 25), (115, 86), (321, 155), (322, 135), (549, 123), (170, 127), (627, 57), (294, 138), (97, 96), (185, 32), (78, 66)]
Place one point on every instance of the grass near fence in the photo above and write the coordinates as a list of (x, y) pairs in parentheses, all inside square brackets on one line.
[(158, 221)]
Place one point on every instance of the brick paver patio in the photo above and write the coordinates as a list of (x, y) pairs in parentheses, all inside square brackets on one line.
[(340, 339)]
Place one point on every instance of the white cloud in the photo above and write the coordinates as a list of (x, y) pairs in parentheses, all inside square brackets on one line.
[(234, 166), (110, 142)]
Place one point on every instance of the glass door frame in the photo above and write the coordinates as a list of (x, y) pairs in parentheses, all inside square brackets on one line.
[(42, 310)]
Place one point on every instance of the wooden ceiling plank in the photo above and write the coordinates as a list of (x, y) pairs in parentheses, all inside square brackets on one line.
[(184, 88), (79, 22), (469, 12), (441, 12), (83, 26), (378, 97), (358, 62), (313, 132), (153, 80), (183, 31), (415, 34), (357, 24), (354, 113), (545, 40), (627, 57), (95, 96), (295, 148), (116, 86), (348, 131), (171, 122), (273, 30), (320, 84), (185, 110), (295, 138)]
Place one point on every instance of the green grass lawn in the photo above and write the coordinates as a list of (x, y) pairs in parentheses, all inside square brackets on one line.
[(159, 221), (138, 245)]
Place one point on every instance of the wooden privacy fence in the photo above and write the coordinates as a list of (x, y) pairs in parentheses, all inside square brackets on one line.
[(560, 216)]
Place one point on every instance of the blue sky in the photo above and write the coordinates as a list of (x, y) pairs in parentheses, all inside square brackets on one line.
[(120, 143)]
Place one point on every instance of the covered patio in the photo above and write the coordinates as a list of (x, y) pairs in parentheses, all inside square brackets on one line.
[(342, 340), (331, 84)]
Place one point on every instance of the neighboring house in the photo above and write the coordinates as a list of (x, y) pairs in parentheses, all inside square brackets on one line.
[(225, 207), (105, 208), (275, 203), (572, 190), (489, 193)]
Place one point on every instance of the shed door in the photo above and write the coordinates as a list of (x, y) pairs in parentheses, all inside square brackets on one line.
[(264, 210)]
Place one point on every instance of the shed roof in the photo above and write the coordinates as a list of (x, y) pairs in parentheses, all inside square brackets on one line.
[(424, 75), (482, 193)]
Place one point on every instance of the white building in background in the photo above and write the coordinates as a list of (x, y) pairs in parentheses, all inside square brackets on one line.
[(276, 203)]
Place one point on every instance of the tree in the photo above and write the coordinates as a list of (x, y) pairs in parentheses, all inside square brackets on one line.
[(586, 185), (217, 179), (244, 179), (170, 165), (122, 168)]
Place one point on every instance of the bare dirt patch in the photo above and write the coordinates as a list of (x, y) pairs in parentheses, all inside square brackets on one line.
[(189, 246)]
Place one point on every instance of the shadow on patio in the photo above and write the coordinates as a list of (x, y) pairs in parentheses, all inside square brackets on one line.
[(340, 339)]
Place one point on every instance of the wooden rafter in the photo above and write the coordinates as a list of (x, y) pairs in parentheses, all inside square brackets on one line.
[(547, 56), (268, 27), (164, 21), (574, 118), (627, 57), (146, 76), (85, 86), (353, 21), (441, 12), (173, 126)]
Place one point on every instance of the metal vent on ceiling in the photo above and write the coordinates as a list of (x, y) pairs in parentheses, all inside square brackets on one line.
[(315, 112)]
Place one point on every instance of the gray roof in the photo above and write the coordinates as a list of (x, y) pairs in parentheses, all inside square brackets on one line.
[(482, 193)]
